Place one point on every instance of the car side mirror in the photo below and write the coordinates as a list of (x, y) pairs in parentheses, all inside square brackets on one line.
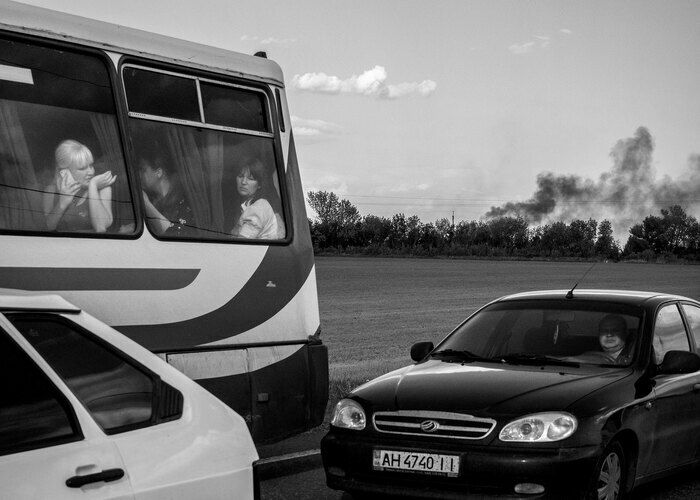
[(420, 350), (676, 362)]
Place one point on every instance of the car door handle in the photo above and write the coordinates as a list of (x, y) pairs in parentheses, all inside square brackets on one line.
[(106, 476), (696, 388)]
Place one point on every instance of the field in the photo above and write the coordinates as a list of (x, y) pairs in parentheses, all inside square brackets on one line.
[(374, 309)]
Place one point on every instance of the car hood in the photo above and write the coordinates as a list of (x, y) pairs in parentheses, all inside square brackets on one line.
[(484, 387)]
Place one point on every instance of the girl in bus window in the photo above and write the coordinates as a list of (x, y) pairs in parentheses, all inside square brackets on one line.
[(78, 200), (257, 219)]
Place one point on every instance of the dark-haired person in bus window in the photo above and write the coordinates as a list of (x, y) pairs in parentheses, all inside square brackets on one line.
[(167, 210), (77, 199), (257, 219)]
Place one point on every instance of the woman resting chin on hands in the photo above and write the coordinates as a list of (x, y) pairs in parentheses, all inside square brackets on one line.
[(78, 200)]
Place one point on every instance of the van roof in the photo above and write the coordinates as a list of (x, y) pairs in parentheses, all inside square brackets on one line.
[(32, 20)]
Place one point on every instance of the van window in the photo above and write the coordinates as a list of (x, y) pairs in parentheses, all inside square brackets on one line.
[(49, 97), (118, 395), (211, 177), (33, 412)]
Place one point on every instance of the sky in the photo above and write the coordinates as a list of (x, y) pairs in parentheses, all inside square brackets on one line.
[(457, 106)]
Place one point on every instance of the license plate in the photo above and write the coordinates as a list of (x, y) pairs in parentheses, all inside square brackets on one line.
[(412, 461)]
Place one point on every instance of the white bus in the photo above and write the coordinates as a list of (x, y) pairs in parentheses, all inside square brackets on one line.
[(154, 183)]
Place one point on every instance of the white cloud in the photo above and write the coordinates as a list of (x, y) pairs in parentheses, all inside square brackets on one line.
[(543, 41), (268, 40), (371, 83), (314, 128), (538, 42), (326, 183), (522, 48), (278, 41)]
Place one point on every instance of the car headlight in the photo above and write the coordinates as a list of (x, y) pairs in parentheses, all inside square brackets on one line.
[(349, 415), (540, 428)]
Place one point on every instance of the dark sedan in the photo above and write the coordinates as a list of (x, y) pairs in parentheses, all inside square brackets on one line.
[(550, 394)]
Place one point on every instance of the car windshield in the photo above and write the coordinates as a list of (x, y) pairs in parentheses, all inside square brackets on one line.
[(555, 332)]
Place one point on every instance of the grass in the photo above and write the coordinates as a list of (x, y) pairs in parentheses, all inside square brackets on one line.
[(344, 377), (374, 309)]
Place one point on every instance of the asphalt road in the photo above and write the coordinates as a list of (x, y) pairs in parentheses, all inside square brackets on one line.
[(311, 485)]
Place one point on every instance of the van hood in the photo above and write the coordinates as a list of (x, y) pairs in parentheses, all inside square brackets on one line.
[(484, 387)]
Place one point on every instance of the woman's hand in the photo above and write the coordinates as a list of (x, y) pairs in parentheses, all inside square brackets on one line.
[(67, 188), (103, 180)]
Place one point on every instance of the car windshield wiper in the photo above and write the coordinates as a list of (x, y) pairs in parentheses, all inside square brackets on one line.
[(536, 359), (462, 355)]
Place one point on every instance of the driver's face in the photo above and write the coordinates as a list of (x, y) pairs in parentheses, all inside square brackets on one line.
[(611, 336)]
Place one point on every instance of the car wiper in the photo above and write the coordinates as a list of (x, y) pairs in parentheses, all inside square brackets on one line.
[(536, 359), (462, 355)]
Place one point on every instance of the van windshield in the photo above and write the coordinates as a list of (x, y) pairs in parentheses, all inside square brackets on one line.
[(527, 332)]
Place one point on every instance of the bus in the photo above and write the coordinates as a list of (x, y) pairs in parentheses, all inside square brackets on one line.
[(154, 182)]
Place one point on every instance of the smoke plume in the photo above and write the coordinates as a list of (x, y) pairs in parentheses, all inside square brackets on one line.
[(625, 195)]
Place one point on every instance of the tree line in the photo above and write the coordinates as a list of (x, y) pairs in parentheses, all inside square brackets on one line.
[(339, 227)]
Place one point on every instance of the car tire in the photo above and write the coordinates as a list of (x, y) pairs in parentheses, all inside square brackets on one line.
[(609, 475)]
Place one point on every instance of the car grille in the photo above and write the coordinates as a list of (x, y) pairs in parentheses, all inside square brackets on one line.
[(433, 423)]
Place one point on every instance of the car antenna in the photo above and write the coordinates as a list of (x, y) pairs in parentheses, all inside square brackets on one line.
[(570, 293)]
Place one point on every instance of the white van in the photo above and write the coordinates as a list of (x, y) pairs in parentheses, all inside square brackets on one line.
[(87, 413)]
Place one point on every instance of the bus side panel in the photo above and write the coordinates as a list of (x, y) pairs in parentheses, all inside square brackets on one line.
[(280, 396), (318, 384), (206, 369), (288, 394)]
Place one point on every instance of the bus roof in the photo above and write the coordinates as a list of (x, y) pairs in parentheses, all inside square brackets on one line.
[(32, 20)]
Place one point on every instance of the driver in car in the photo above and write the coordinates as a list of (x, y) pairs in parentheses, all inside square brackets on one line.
[(612, 335)]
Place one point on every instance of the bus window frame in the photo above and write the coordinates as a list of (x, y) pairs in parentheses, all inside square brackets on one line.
[(127, 60), (120, 106)]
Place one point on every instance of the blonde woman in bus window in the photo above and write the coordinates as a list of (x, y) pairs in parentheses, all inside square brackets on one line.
[(257, 219), (78, 200)]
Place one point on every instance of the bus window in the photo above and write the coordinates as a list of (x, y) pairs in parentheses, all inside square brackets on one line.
[(211, 177), (57, 104), (161, 94), (233, 107)]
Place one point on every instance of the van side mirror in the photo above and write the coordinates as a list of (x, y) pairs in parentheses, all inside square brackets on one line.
[(676, 362), (420, 350)]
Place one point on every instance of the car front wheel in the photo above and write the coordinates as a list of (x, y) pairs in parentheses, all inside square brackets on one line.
[(609, 475)]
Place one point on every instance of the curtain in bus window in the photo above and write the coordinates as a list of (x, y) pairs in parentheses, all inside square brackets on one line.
[(108, 136), (20, 199), (188, 163), (214, 155)]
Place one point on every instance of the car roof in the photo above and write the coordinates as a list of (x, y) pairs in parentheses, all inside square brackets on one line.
[(631, 297), (32, 20), (19, 300)]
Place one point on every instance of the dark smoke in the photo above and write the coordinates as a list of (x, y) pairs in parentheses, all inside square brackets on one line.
[(624, 195)]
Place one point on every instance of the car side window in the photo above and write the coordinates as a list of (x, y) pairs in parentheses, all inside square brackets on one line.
[(118, 395), (692, 314), (669, 333), (33, 412)]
